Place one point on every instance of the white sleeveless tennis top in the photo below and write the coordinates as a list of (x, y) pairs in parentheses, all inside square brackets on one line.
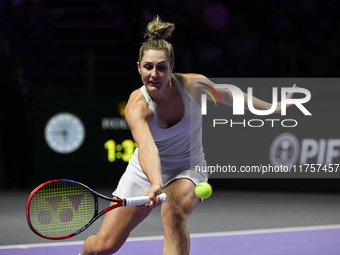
[(180, 146), (180, 149)]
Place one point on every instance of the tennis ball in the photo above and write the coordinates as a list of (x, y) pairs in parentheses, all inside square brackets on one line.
[(203, 190)]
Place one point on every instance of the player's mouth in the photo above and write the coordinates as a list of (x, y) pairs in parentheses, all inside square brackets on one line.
[(154, 82)]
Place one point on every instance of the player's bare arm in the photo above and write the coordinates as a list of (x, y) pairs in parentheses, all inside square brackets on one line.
[(192, 81), (138, 115)]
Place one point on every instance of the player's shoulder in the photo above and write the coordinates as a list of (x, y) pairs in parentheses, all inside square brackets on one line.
[(189, 79), (137, 105), (185, 77), (136, 100), (135, 95)]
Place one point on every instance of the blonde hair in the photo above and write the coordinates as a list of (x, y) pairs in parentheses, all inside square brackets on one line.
[(156, 33)]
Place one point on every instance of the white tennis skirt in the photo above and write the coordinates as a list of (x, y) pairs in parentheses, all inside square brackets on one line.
[(134, 182)]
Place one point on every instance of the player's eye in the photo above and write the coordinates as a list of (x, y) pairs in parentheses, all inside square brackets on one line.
[(162, 68), (148, 67)]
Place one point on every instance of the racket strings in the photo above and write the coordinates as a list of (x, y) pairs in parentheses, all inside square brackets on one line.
[(61, 208)]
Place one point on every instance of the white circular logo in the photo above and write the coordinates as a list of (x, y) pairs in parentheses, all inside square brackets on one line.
[(64, 133), (285, 150)]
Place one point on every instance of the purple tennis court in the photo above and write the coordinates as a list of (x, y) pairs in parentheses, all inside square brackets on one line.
[(233, 223), (289, 241)]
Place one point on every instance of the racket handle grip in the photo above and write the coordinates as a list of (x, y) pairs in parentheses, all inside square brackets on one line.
[(142, 200)]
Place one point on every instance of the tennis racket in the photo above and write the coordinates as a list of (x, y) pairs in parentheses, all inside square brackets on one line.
[(60, 209)]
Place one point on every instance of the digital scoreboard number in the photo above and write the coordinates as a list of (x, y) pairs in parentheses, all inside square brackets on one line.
[(118, 151), (121, 151)]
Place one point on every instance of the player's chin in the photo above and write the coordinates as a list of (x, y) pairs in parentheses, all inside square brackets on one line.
[(155, 84)]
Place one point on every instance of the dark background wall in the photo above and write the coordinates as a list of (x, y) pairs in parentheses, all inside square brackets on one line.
[(80, 56)]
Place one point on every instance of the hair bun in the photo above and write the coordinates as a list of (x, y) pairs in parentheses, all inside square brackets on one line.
[(157, 29)]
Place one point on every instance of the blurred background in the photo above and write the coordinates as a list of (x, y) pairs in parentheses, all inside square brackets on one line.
[(80, 57)]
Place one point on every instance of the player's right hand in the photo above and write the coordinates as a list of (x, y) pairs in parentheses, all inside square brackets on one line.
[(152, 193)]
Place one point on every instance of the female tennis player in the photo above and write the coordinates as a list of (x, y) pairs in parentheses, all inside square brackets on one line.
[(165, 121)]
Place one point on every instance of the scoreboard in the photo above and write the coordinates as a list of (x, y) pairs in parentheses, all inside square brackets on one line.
[(85, 139)]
